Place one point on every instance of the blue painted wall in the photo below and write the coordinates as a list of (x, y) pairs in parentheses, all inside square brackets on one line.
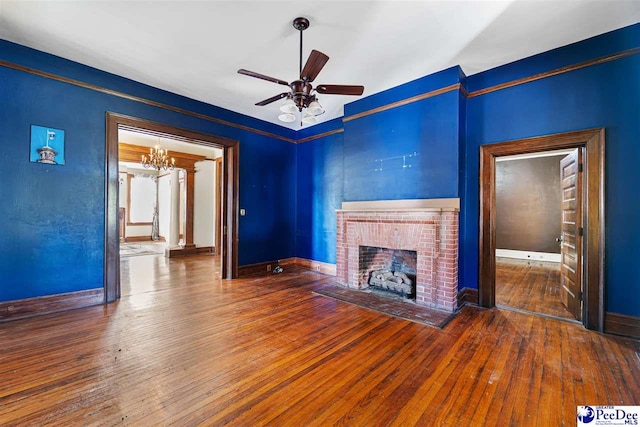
[(320, 178), (407, 152), (291, 192), (462, 166), (605, 95), (446, 131), (52, 217)]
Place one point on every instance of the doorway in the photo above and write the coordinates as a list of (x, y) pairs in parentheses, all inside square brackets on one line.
[(529, 233), (585, 253), (228, 189), (153, 202)]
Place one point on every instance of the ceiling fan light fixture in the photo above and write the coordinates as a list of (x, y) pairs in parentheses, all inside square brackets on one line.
[(289, 107), (315, 109), (287, 117), (301, 96), (309, 119)]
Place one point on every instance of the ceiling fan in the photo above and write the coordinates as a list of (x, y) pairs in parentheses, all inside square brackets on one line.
[(302, 93)]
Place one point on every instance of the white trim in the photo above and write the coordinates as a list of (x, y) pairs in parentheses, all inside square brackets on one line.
[(533, 155), (534, 256)]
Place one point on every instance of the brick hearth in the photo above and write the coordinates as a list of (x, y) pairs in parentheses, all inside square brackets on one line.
[(431, 232)]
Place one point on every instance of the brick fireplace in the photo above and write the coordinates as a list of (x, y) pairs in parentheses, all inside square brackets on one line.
[(432, 232)]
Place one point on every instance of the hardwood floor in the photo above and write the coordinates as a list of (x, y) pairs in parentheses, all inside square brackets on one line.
[(150, 273), (267, 351), (530, 286)]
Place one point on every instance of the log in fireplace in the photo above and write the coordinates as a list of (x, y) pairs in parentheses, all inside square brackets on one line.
[(388, 270), (432, 232)]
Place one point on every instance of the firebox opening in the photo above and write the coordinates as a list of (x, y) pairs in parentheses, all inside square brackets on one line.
[(388, 270)]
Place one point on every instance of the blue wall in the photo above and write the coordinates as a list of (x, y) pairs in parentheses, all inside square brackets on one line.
[(55, 244), (52, 223), (320, 178), (407, 152), (605, 95), (447, 131)]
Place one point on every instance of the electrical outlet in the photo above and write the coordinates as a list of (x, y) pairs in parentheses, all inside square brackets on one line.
[(268, 267), (243, 212)]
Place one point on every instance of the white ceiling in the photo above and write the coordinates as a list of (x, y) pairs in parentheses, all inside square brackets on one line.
[(194, 48)]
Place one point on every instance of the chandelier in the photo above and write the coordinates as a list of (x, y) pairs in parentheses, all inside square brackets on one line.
[(158, 159)]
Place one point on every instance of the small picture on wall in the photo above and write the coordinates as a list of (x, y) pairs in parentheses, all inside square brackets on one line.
[(47, 145)]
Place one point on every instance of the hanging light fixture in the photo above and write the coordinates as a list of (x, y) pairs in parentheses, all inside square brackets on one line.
[(158, 159), (309, 119), (314, 108), (310, 105), (287, 117), (289, 106), (301, 96)]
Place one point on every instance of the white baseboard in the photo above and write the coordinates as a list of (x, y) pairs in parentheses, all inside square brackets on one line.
[(536, 256)]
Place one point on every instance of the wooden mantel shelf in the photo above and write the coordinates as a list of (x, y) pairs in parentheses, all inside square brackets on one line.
[(437, 205)]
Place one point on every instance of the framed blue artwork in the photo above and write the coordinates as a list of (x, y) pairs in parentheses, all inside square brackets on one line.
[(47, 145)]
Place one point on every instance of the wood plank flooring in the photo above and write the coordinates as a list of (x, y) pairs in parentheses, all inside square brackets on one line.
[(391, 304), (531, 286), (144, 274), (193, 349)]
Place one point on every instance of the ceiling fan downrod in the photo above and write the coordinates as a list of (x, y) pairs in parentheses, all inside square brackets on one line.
[(301, 24)]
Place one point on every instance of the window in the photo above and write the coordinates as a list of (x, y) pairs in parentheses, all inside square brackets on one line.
[(141, 199)]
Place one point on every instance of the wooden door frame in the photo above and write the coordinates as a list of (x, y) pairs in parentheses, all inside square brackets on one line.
[(217, 232), (115, 122), (592, 141)]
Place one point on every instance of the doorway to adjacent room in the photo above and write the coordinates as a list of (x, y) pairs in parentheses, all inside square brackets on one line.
[(154, 197), (217, 225), (577, 275), (529, 233)]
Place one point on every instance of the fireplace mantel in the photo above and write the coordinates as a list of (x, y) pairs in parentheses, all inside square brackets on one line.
[(431, 231), (403, 205)]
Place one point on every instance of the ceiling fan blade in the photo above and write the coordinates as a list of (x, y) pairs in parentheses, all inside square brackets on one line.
[(340, 89), (262, 76), (273, 98), (313, 66)]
